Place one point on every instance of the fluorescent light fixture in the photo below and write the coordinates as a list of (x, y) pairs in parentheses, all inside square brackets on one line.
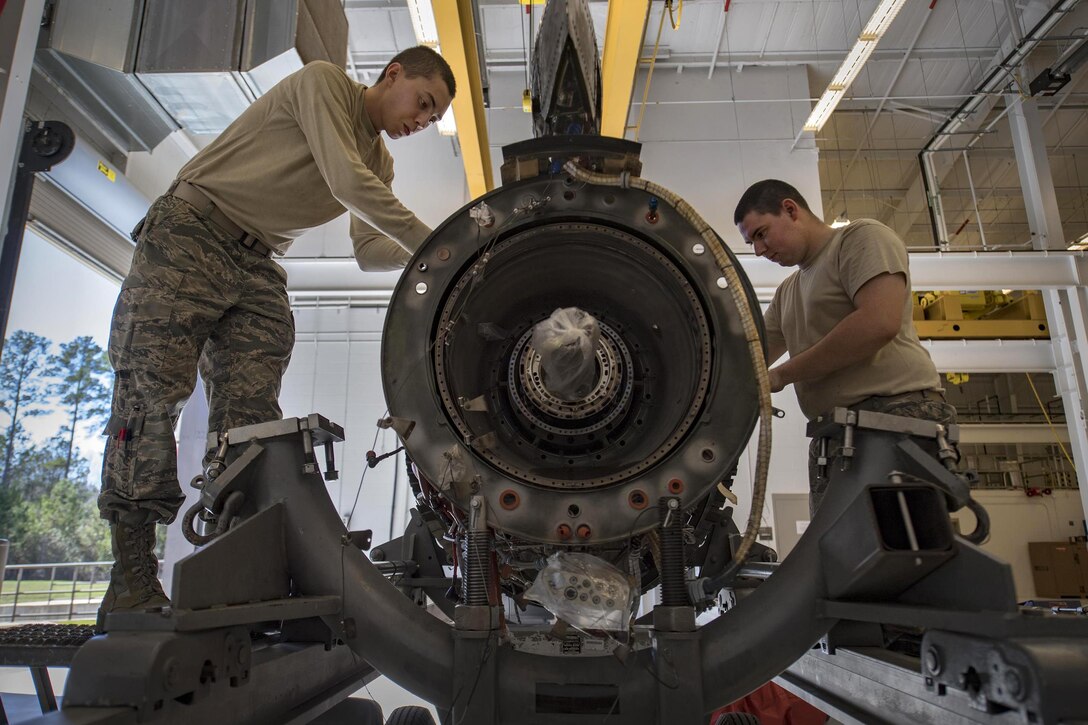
[(842, 221), (881, 18), (1080, 245), (447, 126), (870, 35), (423, 23)]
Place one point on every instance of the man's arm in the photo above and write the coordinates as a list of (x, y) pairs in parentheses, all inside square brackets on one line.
[(775, 350), (875, 321), (320, 111), (375, 252)]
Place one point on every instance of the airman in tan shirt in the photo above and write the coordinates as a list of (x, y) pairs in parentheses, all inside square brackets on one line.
[(204, 294)]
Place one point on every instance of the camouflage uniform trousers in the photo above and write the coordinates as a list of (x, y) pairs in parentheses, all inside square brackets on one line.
[(923, 404), (194, 299)]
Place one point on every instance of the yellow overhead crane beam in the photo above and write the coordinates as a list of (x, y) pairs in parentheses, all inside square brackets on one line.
[(980, 315), (622, 46), (457, 38)]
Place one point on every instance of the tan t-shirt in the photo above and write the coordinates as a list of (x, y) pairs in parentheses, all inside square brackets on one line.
[(301, 155), (815, 298)]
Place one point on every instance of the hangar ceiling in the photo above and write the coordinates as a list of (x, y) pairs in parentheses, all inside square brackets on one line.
[(932, 59)]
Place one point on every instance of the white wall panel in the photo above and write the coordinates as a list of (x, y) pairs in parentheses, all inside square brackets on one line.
[(335, 371)]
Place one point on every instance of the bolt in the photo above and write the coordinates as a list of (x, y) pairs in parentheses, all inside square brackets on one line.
[(563, 530), (443, 254), (933, 661), (1014, 684), (584, 532)]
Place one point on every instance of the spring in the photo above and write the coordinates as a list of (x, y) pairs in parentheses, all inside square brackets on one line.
[(674, 593), (476, 568)]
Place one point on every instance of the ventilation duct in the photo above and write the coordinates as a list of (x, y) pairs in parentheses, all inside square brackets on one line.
[(143, 64)]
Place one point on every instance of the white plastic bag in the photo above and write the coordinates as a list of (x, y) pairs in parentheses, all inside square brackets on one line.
[(567, 345), (583, 590)]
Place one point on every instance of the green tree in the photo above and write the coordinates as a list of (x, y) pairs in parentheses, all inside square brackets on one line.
[(79, 369), (49, 518), (22, 388)]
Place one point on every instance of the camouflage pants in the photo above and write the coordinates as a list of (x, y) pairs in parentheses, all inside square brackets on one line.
[(927, 405), (193, 299)]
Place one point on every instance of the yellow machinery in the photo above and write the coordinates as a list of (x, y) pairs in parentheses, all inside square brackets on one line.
[(980, 315)]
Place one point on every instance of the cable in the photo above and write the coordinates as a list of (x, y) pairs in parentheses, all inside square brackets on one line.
[(1049, 422), (675, 22), (650, 72), (362, 478)]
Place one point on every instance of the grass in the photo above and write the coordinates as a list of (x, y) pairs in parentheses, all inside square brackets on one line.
[(31, 590)]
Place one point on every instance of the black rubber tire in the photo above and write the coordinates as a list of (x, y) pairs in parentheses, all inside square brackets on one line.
[(737, 718), (356, 711), (410, 715)]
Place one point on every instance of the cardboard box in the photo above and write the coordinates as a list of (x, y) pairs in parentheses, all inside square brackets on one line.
[(1060, 568)]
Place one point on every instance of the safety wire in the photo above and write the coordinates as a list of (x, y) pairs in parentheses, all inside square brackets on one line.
[(751, 334), (653, 60), (1050, 423)]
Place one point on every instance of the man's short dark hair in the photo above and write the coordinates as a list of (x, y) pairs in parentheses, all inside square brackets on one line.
[(423, 61), (766, 197)]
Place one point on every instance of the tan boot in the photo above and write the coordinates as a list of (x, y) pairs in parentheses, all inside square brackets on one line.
[(134, 582)]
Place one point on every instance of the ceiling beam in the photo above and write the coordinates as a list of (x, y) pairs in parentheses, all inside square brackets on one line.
[(622, 46), (376, 58), (457, 38)]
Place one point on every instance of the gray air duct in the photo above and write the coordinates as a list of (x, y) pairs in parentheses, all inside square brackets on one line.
[(202, 61)]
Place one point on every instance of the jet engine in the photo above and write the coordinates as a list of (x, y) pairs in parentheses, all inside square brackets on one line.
[(673, 399)]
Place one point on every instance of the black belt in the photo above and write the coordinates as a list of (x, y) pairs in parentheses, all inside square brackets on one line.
[(207, 208), (928, 394)]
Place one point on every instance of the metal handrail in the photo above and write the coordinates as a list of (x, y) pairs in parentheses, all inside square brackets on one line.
[(93, 568)]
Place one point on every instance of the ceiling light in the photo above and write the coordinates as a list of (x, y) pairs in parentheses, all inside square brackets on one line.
[(1080, 245), (841, 221), (870, 35), (423, 23)]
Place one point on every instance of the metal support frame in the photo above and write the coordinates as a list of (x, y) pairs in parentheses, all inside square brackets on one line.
[(19, 23), (225, 663), (1067, 306), (44, 144), (1016, 49)]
